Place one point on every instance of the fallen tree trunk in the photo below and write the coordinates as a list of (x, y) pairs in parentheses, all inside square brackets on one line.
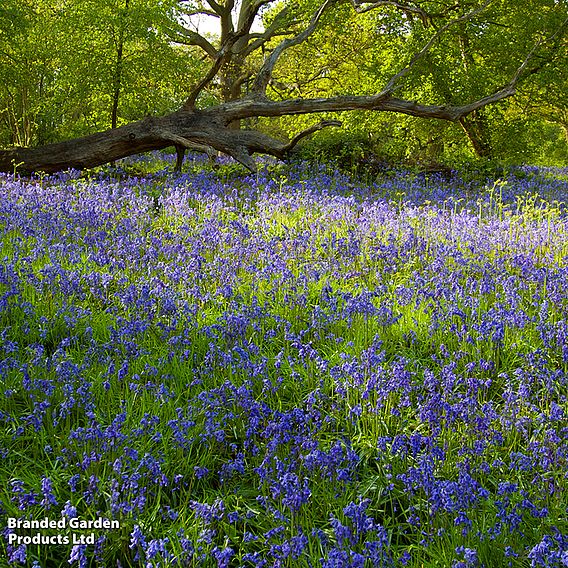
[(195, 130), (210, 128)]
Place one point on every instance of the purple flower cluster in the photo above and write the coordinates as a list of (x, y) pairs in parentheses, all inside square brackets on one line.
[(287, 369)]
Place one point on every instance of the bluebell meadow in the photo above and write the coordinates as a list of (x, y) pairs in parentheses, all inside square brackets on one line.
[(287, 369)]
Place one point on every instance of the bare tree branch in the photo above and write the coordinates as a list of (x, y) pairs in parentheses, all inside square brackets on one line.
[(362, 6), (265, 73), (216, 7), (221, 58), (274, 30), (226, 19), (243, 78), (200, 12), (248, 13), (556, 37), (307, 132), (189, 37), (427, 18), (419, 55), (210, 127)]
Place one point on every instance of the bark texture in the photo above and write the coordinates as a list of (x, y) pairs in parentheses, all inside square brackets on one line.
[(211, 128)]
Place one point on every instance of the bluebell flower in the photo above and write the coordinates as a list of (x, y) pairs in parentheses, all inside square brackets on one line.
[(78, 555), (69, 510), (47, 492)]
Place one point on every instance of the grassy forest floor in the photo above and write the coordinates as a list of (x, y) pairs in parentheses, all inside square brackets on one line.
[(293, 368)]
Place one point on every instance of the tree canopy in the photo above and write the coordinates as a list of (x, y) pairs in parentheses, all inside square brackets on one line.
[(87, 82)]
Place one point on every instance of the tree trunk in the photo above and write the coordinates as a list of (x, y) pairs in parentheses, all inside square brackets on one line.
[(477, 133), (231, 84), (210, 128), (117, 79)]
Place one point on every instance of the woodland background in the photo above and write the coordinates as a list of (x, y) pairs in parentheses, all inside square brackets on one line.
[(75, 67)]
